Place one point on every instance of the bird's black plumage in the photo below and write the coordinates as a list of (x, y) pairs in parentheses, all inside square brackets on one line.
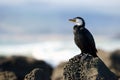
[(84, 39)]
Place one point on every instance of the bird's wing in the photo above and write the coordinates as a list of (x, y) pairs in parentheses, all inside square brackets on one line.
[(89, 39)]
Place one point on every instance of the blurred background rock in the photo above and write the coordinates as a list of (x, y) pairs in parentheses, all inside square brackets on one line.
[(8, 75), (37, 74), (115, 62), (21, 66), (58, 71)]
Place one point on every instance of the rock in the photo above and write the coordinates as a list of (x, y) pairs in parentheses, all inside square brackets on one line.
[(115, 62), (23, 65), (58, 72), (7, 75), (86, 67), (104, 56), (36, 74)]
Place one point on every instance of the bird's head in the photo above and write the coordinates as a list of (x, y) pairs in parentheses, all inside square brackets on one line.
[(78, 21)]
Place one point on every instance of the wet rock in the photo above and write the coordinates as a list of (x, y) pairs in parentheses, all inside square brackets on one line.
[(86, 67)]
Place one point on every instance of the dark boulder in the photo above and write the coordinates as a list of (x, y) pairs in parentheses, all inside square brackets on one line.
[(23, 65)]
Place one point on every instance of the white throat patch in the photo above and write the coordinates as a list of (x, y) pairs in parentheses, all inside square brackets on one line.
[(79, 22)]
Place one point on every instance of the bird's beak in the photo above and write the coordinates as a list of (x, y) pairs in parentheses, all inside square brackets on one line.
[(72, 20)]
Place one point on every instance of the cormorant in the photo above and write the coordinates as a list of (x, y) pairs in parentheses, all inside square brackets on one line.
[(83, 38)]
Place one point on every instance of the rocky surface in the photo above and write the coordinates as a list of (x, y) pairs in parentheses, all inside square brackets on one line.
[(7, 75), (86, 67), (36, 74), (58, 72), (21, 66)]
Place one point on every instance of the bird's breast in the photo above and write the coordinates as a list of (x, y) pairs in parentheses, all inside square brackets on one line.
[(77, 32), (74, 31)]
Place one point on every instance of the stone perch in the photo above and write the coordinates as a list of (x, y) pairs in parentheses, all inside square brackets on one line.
[(86, 67)]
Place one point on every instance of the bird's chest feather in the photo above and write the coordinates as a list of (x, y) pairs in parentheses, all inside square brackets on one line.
[(79, 35), (78, 32)]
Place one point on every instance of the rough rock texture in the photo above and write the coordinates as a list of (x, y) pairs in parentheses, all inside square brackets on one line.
[(7, 75), (85, 67), (58, 72), (36, 74), (115, 62), (23, 65)]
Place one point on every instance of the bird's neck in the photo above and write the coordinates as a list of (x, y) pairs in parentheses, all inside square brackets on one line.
[(80, 26)]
